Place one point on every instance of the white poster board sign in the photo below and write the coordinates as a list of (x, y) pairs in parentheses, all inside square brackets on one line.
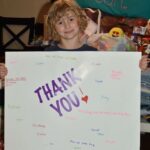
[(72, 101)]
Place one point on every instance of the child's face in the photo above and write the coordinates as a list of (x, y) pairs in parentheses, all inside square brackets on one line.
[(67, 26)]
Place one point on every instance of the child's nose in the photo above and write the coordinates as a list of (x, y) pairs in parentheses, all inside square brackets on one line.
[(67, 24)]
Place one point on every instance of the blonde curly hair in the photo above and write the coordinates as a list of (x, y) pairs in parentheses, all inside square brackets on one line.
[(58, 10)]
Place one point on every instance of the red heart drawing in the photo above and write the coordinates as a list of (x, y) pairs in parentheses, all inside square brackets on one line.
[(85, 98)]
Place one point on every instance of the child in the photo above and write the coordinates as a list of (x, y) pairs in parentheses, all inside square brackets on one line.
[(67, 23)]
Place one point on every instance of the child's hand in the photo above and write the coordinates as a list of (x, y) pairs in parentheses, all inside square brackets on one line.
[(3, 71), (144, 62)]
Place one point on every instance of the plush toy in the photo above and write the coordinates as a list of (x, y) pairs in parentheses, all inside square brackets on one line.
[(114, 40), (123, 43), (116, 32)]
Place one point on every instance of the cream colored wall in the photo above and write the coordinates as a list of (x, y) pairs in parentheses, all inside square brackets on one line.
[(20, 8)]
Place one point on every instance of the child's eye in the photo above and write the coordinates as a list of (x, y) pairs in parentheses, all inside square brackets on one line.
[(71, 19), (60, 23)]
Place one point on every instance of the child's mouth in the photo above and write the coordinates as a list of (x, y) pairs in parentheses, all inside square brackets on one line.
[(68, 32)]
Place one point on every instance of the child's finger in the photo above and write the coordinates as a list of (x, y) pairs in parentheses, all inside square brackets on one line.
[(3, 71)]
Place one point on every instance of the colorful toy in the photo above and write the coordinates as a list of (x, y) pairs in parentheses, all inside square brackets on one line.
[(116, 32), (114, 40)]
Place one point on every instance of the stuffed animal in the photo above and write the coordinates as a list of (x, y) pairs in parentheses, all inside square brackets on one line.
[(114, 40), (123, 43), (116, 32)]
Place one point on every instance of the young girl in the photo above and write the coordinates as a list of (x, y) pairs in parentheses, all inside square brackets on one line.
[(67, 23)]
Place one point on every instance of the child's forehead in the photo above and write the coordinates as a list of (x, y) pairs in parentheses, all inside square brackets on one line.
[(65, 14)]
